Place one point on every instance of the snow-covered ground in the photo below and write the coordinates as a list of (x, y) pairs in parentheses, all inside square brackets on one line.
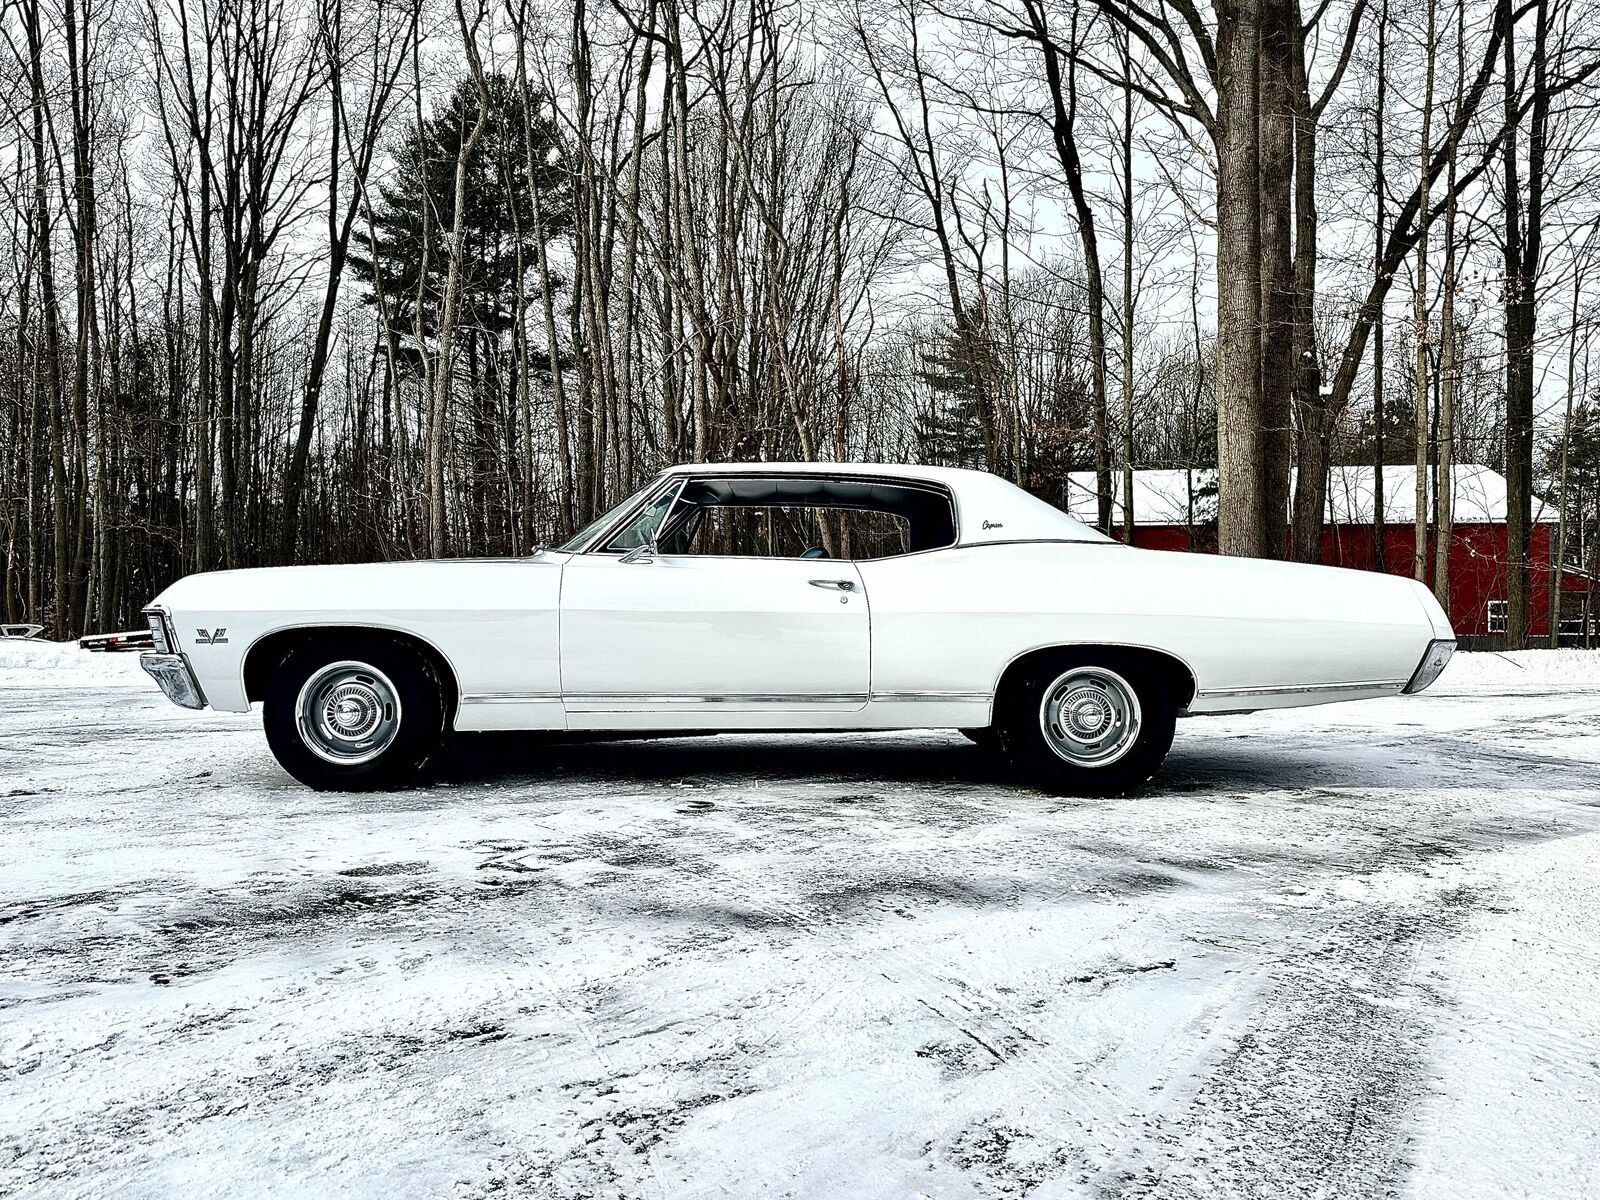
[(1345, 951)]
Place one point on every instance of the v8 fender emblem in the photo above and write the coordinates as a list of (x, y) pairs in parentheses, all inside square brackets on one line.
[(205, 638)]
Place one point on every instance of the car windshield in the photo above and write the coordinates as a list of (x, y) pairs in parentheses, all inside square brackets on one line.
[(577, 541)]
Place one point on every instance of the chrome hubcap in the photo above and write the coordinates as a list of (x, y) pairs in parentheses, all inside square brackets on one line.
[(1090, 716), (348, 713)]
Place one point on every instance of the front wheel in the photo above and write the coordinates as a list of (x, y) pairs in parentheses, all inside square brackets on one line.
[(353, 714), (1087, 725)]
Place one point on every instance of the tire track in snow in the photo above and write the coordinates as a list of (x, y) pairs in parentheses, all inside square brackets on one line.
[(1309, 1094), (1082, 1107)]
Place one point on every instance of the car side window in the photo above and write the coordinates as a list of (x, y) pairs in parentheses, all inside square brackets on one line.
[(790, 531), (643, 528), (733, 516)]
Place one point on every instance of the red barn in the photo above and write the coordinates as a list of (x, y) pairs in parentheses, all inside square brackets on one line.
[(1176, 510)]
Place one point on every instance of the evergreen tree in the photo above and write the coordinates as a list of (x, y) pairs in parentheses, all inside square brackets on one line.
[(949, 428), (499, 211)]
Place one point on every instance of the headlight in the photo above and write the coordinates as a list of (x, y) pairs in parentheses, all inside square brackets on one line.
[(1432, 665), (158, 631)]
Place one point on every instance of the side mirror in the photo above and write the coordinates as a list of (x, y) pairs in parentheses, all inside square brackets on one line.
[(641, 554)]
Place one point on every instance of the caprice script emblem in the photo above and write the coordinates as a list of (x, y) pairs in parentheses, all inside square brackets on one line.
[(993, 525), (203, 638)]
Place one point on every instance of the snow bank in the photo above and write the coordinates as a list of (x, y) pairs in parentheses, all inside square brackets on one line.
[(1524, 670), (34, 663)]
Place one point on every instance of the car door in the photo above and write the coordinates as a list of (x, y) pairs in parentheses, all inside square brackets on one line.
[(694, 641)]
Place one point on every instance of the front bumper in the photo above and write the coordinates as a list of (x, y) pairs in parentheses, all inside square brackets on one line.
[(1433, 663), (177, 681)]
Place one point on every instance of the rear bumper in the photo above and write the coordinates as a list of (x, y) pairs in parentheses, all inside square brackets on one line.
[(1434, 661), (177, 681)]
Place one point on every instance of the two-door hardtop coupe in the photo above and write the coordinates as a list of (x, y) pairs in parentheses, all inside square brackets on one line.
[(793, 596)]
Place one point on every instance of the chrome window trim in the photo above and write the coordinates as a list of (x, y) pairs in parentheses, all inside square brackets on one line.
[(600, 546), (644, 495), (687, 473), (688, 476), (1040, 542)]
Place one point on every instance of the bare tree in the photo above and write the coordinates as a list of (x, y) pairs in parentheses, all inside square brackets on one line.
[(376, 57), (444, 372), (1420, 332)]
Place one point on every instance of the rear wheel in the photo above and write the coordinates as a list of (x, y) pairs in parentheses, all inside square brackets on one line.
[(1089, 724), (353, 714)]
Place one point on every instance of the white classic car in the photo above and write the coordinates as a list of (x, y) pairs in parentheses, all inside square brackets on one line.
[(793, 596)]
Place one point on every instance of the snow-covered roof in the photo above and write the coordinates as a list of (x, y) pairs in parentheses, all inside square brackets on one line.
[(1164, 497)]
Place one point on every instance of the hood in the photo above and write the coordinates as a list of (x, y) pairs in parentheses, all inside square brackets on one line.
[(387, 584)]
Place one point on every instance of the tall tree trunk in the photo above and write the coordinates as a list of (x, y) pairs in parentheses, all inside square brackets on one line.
[(1276, 128), (1241, 513), (1063, 126), (1522, 253), (361, 144), (87, 361), (630, 258), (705, 398), (338, 245), (570, 514), (444, 380), (1127, 289), (1420, 332), (1316, 414), (50, 315), (1449, 353), (205, 390), (1564, 495), (1380, 190)]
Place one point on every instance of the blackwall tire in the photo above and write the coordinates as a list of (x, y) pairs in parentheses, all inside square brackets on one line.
[(353, 713), (1093, 723)]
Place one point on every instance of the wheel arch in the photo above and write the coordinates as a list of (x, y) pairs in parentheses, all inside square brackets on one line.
[(1185, 683), (268, 650)]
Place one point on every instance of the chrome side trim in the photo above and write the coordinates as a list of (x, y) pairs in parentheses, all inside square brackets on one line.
[(510, 697), (1368, 685), (351, 623), (763, 698), (1057, 541), (1098, 645), (931, 697)]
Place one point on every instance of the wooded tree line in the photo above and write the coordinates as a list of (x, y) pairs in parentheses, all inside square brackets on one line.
[(312, 280)]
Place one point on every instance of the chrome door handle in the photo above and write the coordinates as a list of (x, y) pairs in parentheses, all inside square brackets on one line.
[(838, 585)]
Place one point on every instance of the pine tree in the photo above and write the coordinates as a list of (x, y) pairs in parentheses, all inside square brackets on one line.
[(949, 429), (499, 205)]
